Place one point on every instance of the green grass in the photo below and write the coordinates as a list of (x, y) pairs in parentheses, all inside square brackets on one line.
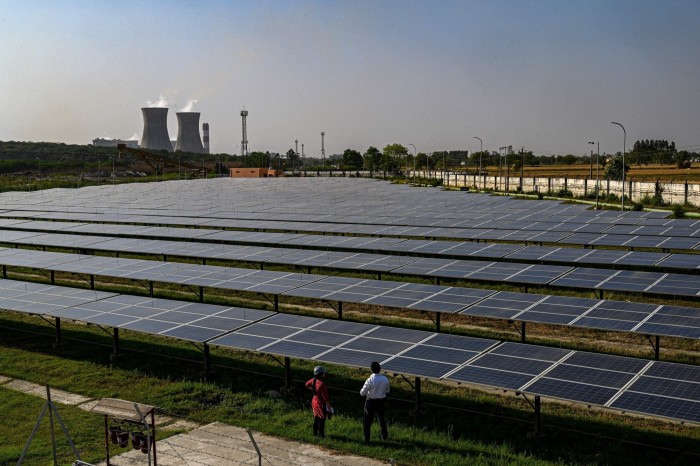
[(458, 426)]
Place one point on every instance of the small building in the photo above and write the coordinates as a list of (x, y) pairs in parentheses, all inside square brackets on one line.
[(255, 172), (106, 142)]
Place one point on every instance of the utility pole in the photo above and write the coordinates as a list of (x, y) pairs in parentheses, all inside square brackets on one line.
[(244, 140), (296, 149), (522, 165)]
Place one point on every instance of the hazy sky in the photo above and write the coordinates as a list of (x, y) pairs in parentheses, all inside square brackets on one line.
[(546, 75)]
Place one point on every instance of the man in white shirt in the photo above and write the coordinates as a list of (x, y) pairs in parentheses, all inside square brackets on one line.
[(375, 389)]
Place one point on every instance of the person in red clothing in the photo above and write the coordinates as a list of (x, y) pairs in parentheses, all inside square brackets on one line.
[(320, 403)]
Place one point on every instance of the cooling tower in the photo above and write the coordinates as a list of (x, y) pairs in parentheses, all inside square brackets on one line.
[(188, 139), (155, 129), (205, 137)]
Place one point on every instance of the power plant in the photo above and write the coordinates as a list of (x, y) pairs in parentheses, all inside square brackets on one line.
[(155, 129), (205, 137), (188, 139)]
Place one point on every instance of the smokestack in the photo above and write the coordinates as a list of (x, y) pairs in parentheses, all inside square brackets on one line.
[(188, 139), (205, 137), (155, 129)]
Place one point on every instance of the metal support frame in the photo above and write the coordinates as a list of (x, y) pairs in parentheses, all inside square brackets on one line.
[(655, 345), (207, 361), (58, 330), (287, 373), (340, 310), (53, 277), (521, 331), (150, 288), (416, 388), (537, 407), (436, 320), (4, 271), (51, 407), (201, 294)]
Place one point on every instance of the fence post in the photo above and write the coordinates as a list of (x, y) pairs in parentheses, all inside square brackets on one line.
[(255, 445), (685, 197)]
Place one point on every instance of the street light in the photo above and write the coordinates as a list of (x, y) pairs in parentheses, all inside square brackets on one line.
[(624, 148), (500, 167), (590, 173), (414, 163), (481, 151), (597, 172)]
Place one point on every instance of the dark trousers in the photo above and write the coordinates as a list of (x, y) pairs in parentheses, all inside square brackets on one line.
[(319, 426), (375, 408)]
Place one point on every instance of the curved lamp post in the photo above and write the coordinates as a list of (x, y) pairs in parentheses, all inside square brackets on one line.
[(414, 163), (624, 144)]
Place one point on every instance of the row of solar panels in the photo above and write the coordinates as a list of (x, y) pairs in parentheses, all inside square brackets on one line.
[(640, 318), (483, 271), (648, 387), (585, 235), (15, 230), (296, 201)]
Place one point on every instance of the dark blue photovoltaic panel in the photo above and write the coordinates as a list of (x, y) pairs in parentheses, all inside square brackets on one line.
[(321, 338), (192, 333), (511, 363), (490, 377), (605, 361), (669, 370), (665, 387), (348, 328), (668, 330), (377, 346), (434, 353), (522, 350), (590, 376), (295, 349), (351, 358), (399, 334), (446, 340), (241, 341), (658, 406), (565, 390), (417, 367)]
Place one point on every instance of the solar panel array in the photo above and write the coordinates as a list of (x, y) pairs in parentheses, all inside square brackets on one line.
[(500, 272), (657, 388), (451, 249), (578, 312), (357, 207), (370, 208)]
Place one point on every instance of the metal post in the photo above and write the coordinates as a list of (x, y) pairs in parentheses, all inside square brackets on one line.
[(201, 294), (115, 337), (418, 400), (287, 373), (4, 271), (277, 303), (538, 416), (340, 310), (657, 349), (481, 151), (255, 445), (53, 277), (437, 321), (58, 330), (522, 331), (92, 282), (207, 361), (53, 434), (150, 289), (107, 440), (624, 148)]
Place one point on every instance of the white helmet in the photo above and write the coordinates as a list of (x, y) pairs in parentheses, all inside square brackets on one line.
[(318, 370)]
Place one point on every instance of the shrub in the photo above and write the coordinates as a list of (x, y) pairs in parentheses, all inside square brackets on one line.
[(678, 211), (637, 206), (563, 192)]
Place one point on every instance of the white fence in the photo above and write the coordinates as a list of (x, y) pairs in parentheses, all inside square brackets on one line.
[(635, 190)]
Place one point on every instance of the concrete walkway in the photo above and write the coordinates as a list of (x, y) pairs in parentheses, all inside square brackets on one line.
[(212, 444)]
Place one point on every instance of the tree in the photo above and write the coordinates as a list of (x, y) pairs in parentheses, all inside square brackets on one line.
[(372, 158), (352, 158), (292, 157), (614, 169), (258, 159), (392, 155)]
